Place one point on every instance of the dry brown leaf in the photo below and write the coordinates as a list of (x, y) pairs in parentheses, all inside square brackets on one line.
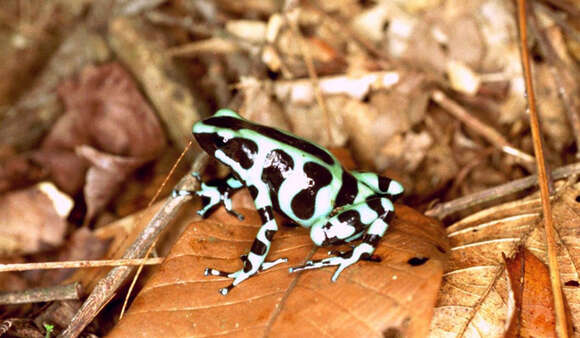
[(533, 312), (105, 176), (369, 299), (67, 170), (18, 172), (474, 297), (33, 219), (106, 118)]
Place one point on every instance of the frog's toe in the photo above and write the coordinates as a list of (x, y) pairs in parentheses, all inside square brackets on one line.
[(226, 290), (215, 272), (235, 214), (269, 265), (345, 263), (241, 275)]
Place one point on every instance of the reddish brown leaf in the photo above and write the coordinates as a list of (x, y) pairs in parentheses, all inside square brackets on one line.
[(533, 314), (394, 296)]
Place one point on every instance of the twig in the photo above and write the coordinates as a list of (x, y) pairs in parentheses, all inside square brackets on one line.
[(105, 289), (160, 18), (37, 295), (543, 176), (78, 264), (152, 245), (479, 127), (443, 210), (567, 87), (311, 70)]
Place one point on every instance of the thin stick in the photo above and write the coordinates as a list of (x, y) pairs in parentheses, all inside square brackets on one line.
[(479, 127), (71, 291), (443, 210), (79, 264), (105, 289), (311, 70), (561, 326), (136, 277)]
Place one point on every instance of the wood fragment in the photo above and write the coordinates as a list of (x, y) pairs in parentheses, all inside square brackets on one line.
[(543, 176), (37, 295)]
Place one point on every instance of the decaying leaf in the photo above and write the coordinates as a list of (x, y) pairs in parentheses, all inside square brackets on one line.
[(105, 176), (33, 219), (369, 299), (533, 313), (474, 296), (111, 128)]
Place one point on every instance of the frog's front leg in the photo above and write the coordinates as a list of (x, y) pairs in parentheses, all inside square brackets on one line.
[(254, 261), (348, 225), (214, 193)]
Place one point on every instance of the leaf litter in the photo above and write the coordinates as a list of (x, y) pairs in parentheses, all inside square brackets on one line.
[(475, 288)]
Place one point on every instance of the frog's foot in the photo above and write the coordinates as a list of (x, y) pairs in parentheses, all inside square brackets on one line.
[(363, 257), (241, 275), (217, 192), (343, 260)]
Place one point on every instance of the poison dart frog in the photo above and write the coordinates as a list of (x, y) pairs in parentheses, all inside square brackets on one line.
[(300, 179)]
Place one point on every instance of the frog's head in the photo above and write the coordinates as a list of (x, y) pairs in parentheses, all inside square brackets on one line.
[(220, 137)]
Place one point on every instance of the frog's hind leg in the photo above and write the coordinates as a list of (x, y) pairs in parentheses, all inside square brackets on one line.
[(236, 275), (380, 184), (255, 260), (382, 208)]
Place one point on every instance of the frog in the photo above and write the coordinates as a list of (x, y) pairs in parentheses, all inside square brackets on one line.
[(301, 180)]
